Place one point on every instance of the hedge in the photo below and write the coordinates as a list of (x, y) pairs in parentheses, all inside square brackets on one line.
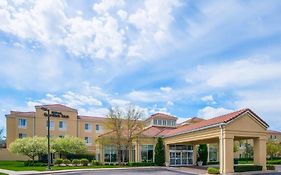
[(212, 170), (244, 168), (274, 162), (212, 163), (90, 157), (34, 163), (141, 164), (270, 167)]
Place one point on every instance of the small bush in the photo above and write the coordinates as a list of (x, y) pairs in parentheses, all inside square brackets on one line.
[(274, 162), (84, 162), (133, 164), (270, 167), (66, 161), (212, 163), (90, 157), (95, 163), (58, 161), (76, 162), (34, 163), (244, 168), (212, 170)]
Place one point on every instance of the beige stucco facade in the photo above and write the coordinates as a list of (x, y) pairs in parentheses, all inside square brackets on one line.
[(221, 136)]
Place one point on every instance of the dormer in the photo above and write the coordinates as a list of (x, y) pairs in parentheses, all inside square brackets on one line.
[(162, 120)]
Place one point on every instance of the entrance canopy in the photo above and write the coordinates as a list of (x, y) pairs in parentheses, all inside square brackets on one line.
[(242, 124)]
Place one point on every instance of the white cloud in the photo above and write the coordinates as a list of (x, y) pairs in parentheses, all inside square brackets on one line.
[(242, 72), (210, 112), (118, 102), (122, 14), (166, 89), (209, 99), (106, 5)]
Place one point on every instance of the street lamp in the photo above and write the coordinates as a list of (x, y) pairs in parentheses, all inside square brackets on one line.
[(49, 153)]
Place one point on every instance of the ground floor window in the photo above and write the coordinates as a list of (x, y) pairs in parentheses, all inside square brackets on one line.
[(110, 153), (213, 153), (133, 158), (147, 153)]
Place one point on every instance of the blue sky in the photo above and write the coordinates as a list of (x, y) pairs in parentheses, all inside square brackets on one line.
[(186, 58)]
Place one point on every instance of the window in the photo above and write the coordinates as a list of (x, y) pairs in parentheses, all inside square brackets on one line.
[(52, 125), (110, 153), (88, 127), (169, 122), (22, 123), (173, 123), (61, 136), (165, 122), (133, 153), (98, 128), (21, 135), (88, 141), (159, 122), (155, 122), (147, 153), (62, 125)]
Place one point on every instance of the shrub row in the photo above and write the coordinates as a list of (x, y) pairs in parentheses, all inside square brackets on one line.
[(212, 163), (274, 162), (90, 157), (75, 162), (212, 170), (244, 168), (270, 167), (133, 164), (34, 163)]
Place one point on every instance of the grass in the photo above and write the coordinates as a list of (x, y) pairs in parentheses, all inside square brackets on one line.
[(3, 174), (19, 166), (245, 162)]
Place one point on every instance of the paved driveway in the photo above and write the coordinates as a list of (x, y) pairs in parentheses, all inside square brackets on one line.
[(130, 172)]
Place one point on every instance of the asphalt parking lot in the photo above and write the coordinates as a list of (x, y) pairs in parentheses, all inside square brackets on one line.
[(130, 172)]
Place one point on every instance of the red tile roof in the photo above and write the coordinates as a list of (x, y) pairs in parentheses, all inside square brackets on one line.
[(273, 132), (161, 116), (57, 107), (23, 114), (213, 121), (92, 118), (154, 131)]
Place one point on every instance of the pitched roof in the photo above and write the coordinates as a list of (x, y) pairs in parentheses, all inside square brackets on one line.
[(273, 132), (192, 120), (58, 107), (211, 122), (23, 114), (154, 131), (161, 116), (91, 118)]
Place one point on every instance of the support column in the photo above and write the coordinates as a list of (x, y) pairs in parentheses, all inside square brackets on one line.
[(208, 157), (226, 155), (167, 155), (194, 154), (260, 152)]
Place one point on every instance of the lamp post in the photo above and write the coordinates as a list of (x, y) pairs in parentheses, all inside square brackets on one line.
[(48, 125)]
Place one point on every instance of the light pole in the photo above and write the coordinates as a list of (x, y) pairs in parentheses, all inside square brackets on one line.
[(48, 125)]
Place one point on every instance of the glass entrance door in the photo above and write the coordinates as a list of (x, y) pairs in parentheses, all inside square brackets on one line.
[(181, 157)]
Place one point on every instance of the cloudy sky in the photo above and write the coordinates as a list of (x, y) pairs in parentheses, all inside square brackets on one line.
[(187, 58)]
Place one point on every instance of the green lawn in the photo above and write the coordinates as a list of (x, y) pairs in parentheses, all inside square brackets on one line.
[(3, 174), (19, 166)]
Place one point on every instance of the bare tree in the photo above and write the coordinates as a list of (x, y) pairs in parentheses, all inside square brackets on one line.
[(124, 126)]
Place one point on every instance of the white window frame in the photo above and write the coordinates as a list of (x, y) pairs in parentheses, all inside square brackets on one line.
[(52, 125), (88, 140), (100, 128), (22, 135), (64, 125), (89, 127), (20, 123)]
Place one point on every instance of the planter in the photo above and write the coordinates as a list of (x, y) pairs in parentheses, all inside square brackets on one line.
[(200, 163)]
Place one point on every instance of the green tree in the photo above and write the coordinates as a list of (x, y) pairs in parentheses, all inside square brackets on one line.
[(203, 153), (68, 145), (159, 152), (249, 150), (29, 146), (272, 148)]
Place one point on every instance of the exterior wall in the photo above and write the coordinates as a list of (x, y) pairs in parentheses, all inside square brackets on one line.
[(6, 155)]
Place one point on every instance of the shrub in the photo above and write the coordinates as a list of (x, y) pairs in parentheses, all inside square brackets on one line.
[(76, 162), (34, 163), (159, 155), (212, 163), (270, 167), (212, 170), (274, 162), (133, 164), (90, 157), (244, 168), (84, 162), (203, 153), (95, 162), (58, 161), (66, 161)]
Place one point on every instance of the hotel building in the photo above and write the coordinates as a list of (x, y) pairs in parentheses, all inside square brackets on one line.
[(181, 140)]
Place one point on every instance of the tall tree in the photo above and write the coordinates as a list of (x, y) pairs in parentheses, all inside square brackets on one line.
[(272, 148), (159, 152), (203, 153)]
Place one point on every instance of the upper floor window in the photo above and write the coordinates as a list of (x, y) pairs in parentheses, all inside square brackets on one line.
[(62, 125), (98, 128), (88, 140), (52, 125), (61, 136), (22, 123), (21, 135), (88, 127)]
